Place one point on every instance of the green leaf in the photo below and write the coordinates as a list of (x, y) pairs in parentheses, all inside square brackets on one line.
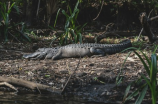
[(82, 27), (26, 36), (63, 11), (80, 37), (149, 62), (76, 5), (56, 17), (127, 91), (153, 70), (73, 34), (119, 80), (10, 8), (69, 9), (155, 49), (47, 75), (135, 93), (147, 80), (16, 8), (141, 95), (3, 15), (145, 65)]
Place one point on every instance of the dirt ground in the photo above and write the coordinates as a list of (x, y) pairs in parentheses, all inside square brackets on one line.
[(95, 77)]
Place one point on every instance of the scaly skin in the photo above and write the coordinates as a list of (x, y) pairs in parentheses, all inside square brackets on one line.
[(79, 50)]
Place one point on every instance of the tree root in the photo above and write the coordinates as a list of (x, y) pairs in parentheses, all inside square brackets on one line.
[(144, 20)]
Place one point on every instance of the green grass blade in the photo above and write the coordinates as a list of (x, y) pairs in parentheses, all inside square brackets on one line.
[(153, 70), (7, 20), (10, 8), (67, 16), (145, 65), (76, 4), (130, 48), (80, 29), (152, 88), (153, 76), (73, 35), (141, 95), (147, 80), (67, 24), (135, 93), (133, 48), (149, 62), (76, 15), (3, 15), (57, 17), (119, 79), (127, 91), (17, 9), (69, 9), (51, 28), (80, 37), (155, 49), (73, 14)]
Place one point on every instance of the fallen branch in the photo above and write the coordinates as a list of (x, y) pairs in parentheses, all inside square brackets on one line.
[(28, 84)]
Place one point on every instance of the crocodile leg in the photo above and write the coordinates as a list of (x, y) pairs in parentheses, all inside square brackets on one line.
[(97, 51), (57, 55), (51, 54)]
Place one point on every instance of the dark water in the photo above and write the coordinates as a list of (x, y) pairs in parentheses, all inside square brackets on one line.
[(12, 98)]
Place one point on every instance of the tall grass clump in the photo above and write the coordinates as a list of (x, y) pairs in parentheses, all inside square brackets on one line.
[(149, 81), (72, 32), (6, 27)]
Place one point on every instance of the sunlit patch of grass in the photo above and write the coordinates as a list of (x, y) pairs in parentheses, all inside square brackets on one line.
[(138, 44)]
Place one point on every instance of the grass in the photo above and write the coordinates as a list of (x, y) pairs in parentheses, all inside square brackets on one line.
[(150, 66)]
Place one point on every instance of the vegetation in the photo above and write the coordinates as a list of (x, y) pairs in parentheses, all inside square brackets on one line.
[(71, 31), (7, 27), (21, 18), (31, 13), (150, 66)]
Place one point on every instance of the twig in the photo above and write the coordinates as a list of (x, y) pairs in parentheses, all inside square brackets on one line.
[(140, 34), (9, 85), (38, 7), (14, 37), (153, 18), (71, 76), (38, 90), (99, 11)]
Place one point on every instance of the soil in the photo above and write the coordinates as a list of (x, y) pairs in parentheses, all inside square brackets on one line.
[(94, 78)]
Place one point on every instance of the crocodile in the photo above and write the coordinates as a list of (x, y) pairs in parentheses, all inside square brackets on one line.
[(78, 50)]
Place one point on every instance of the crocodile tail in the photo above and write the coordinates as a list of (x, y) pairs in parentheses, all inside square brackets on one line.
[(119, 47)]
